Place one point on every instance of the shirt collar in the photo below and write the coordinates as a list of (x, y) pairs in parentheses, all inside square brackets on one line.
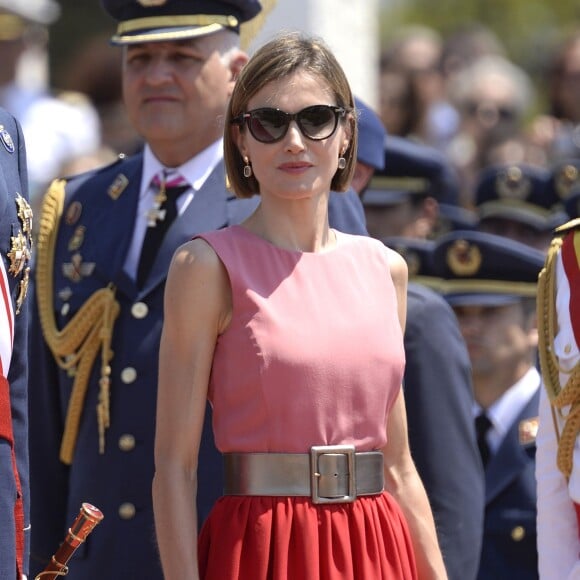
[(505, 410), (195, 170)]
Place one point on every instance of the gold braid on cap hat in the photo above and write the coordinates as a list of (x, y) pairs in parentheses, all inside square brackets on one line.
[(75, 347), (559, 396)]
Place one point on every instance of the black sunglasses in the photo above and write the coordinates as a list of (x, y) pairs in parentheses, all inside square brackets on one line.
[(269, 125)]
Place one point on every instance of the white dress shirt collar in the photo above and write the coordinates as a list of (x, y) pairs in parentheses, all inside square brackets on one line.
[(196, 170), (506, 409)]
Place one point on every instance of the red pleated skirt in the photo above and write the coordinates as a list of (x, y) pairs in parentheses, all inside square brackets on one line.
[(290, 538)]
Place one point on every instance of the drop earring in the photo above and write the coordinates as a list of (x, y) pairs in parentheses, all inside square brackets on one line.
[(341, 162), (247, 168)]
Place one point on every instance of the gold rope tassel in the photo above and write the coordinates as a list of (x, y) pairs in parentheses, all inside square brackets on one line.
[(570, 394), (76, 346)]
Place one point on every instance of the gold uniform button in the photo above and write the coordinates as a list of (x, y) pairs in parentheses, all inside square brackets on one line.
[(126, 442), (518, 534), (139, 310), (128, 375), (127, 511)]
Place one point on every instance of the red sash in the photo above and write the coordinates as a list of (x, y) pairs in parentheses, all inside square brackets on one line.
[(577, 509), (6, 433), (571, 262)]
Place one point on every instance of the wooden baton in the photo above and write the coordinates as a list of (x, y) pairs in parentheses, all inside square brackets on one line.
[(89, 516)]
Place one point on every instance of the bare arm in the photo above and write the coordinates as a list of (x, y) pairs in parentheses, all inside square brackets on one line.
[(401, 478), (197, 309)]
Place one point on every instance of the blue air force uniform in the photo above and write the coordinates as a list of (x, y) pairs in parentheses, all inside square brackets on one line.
[(15, 245), (484, 270)]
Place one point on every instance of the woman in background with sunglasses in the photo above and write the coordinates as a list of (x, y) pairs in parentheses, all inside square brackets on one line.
[(293, 331)]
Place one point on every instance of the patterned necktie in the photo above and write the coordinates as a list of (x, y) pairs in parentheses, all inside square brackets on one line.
[(482, 426), (169, 185)]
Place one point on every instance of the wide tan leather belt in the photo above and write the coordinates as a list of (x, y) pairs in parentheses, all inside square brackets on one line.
[(328, 474)]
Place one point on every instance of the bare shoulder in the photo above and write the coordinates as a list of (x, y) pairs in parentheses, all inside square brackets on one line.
[(196, 258), (198, 286), (196, 253)]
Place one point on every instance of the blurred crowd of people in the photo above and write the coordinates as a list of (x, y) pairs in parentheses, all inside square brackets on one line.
[(463, 95)]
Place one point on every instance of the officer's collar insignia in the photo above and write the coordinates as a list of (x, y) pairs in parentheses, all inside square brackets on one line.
[(527, 431), (149, 3), (73, 213), (463, 258), (7, 140), (567, 178), (77, 239), (19, 253), (25, 214), (76, 269), (513, 184), (118, 186)]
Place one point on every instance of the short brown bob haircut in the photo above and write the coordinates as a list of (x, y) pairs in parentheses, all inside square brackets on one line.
[(279, 58)]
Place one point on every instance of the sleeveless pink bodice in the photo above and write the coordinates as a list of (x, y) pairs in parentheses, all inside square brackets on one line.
[(314, 351)]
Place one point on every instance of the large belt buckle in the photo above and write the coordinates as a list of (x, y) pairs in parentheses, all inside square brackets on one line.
[(315, 453)]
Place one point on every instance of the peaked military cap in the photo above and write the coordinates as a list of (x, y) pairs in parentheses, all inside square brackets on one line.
[(163, 20), (412, 169), (485, 269), (520, 193), (565, 182), (371, 136)]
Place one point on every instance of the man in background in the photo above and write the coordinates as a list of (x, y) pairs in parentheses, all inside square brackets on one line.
[(491, 283)]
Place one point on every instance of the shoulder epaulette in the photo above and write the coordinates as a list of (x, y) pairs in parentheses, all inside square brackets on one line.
[(571, 225), (98, 170)]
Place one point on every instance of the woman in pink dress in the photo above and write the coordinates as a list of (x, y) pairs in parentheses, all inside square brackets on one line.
[(293, 331)]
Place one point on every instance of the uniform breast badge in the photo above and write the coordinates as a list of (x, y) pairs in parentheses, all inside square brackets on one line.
[(19, 253), (527, 431), (76, 269), (6, 139), (156, 214), (77, 239), (73, 213), (19, 256), (22, 290), (118, 186), (25, 214)]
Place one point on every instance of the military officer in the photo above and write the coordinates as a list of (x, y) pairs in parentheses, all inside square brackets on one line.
[(100, 283), (15, 246), (490, 282), (416, 193), (565, 182), (558, 456), (521, 202)]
